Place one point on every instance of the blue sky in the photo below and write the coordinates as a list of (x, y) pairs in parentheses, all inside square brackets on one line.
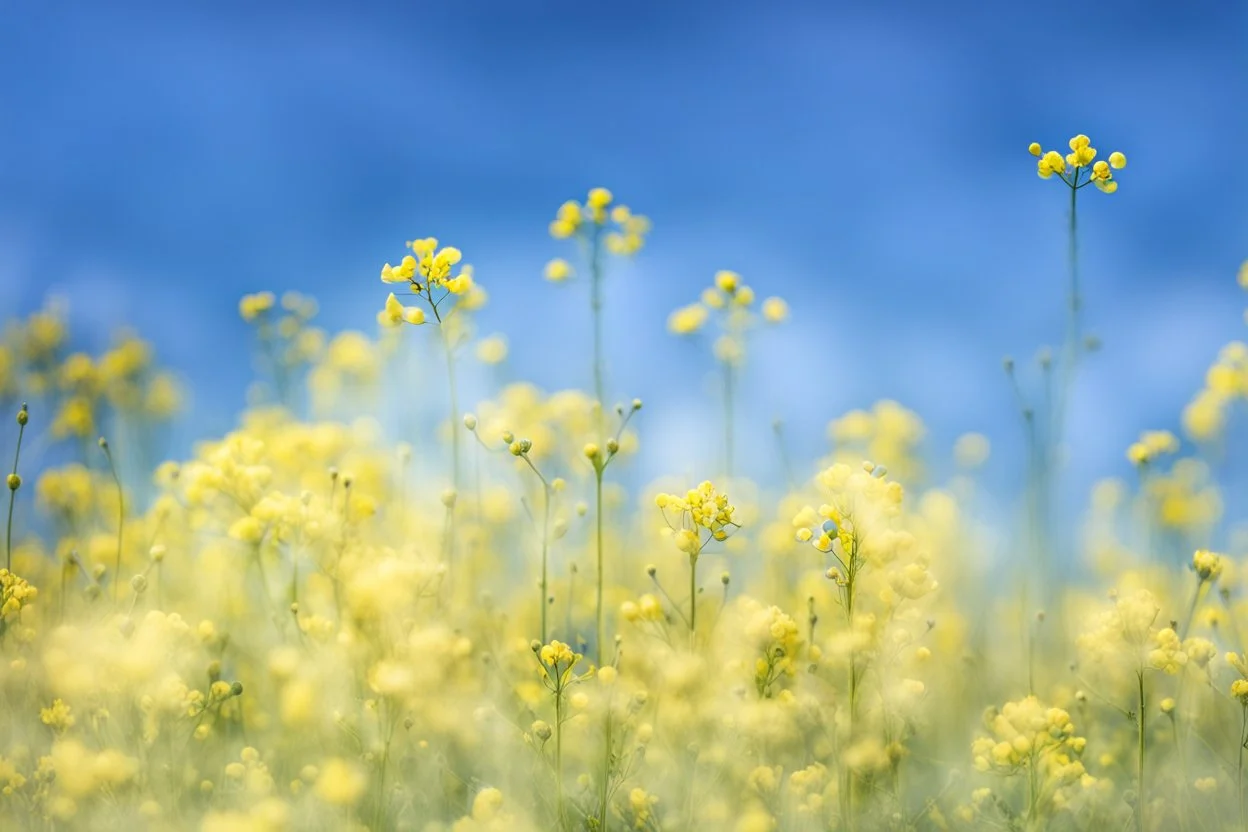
[(865, 160)]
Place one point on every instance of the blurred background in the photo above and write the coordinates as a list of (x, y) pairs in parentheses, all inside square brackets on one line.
[(866, 161)]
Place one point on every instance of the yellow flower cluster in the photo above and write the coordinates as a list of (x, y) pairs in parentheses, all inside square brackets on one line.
[(1151, 445), (58, 716), (889, 433), (732, 301), (1029, 734), (430, 268), (15, 595), (701, 508), (1226, 382), (299, 625), (1069, 168), (625, 232)]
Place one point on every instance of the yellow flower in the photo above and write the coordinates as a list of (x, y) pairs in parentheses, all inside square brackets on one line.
[(1034, 149), (396, 313), (558, 270), (340, 783), (492, 350), (687, 319), (252, 306), (58, 716), (1117, 160), (1051, 163), (727, 281), (567, 221), (599, 198), (557, 653), (775, 310)]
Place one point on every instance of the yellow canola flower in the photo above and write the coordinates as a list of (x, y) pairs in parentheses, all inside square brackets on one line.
[(558, 270), (775, 310), (687, 319), (395, 313)]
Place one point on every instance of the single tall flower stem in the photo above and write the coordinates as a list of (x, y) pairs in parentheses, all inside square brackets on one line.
[(1239, 764), (693, 599), (121, 514), (595, 304), (453, 388), (8, 535), (1139, 798), (545, 541), (545, 557), (606, 773), (599, 618), (853, 696), (729, 402), (449, 349), (559, 749)]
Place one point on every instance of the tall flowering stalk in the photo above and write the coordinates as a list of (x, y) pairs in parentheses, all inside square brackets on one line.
[(731, 303), (1077, 169), (430, 275), (701, 516), (1046, 424), (599, 223), (600, 461), (1125, 641), (14, 481), (558, 665)]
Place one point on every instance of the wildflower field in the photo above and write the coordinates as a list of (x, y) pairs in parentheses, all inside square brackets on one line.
[(478, 621)]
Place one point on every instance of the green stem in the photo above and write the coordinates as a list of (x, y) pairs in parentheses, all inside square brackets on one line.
[(595, 303), (455, 449), (728, 419), (121, 514), (1239, 765), (693, 599), (853, 699), (599, 619), (8, 535), (1076, 298), (1191, 610), (545, 554), (1139, 798), (559, 752), (606, 776)]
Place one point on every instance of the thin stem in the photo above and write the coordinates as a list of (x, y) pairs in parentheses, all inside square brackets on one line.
[(1239, 764), (595, 303), (606, 773), (853, 696), (121, 513), (1191, 610), (8, 535), (693, 599), (728, 418), (599, 619), (545, 537), (559, 749), (545, 555), (1139, 798)]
